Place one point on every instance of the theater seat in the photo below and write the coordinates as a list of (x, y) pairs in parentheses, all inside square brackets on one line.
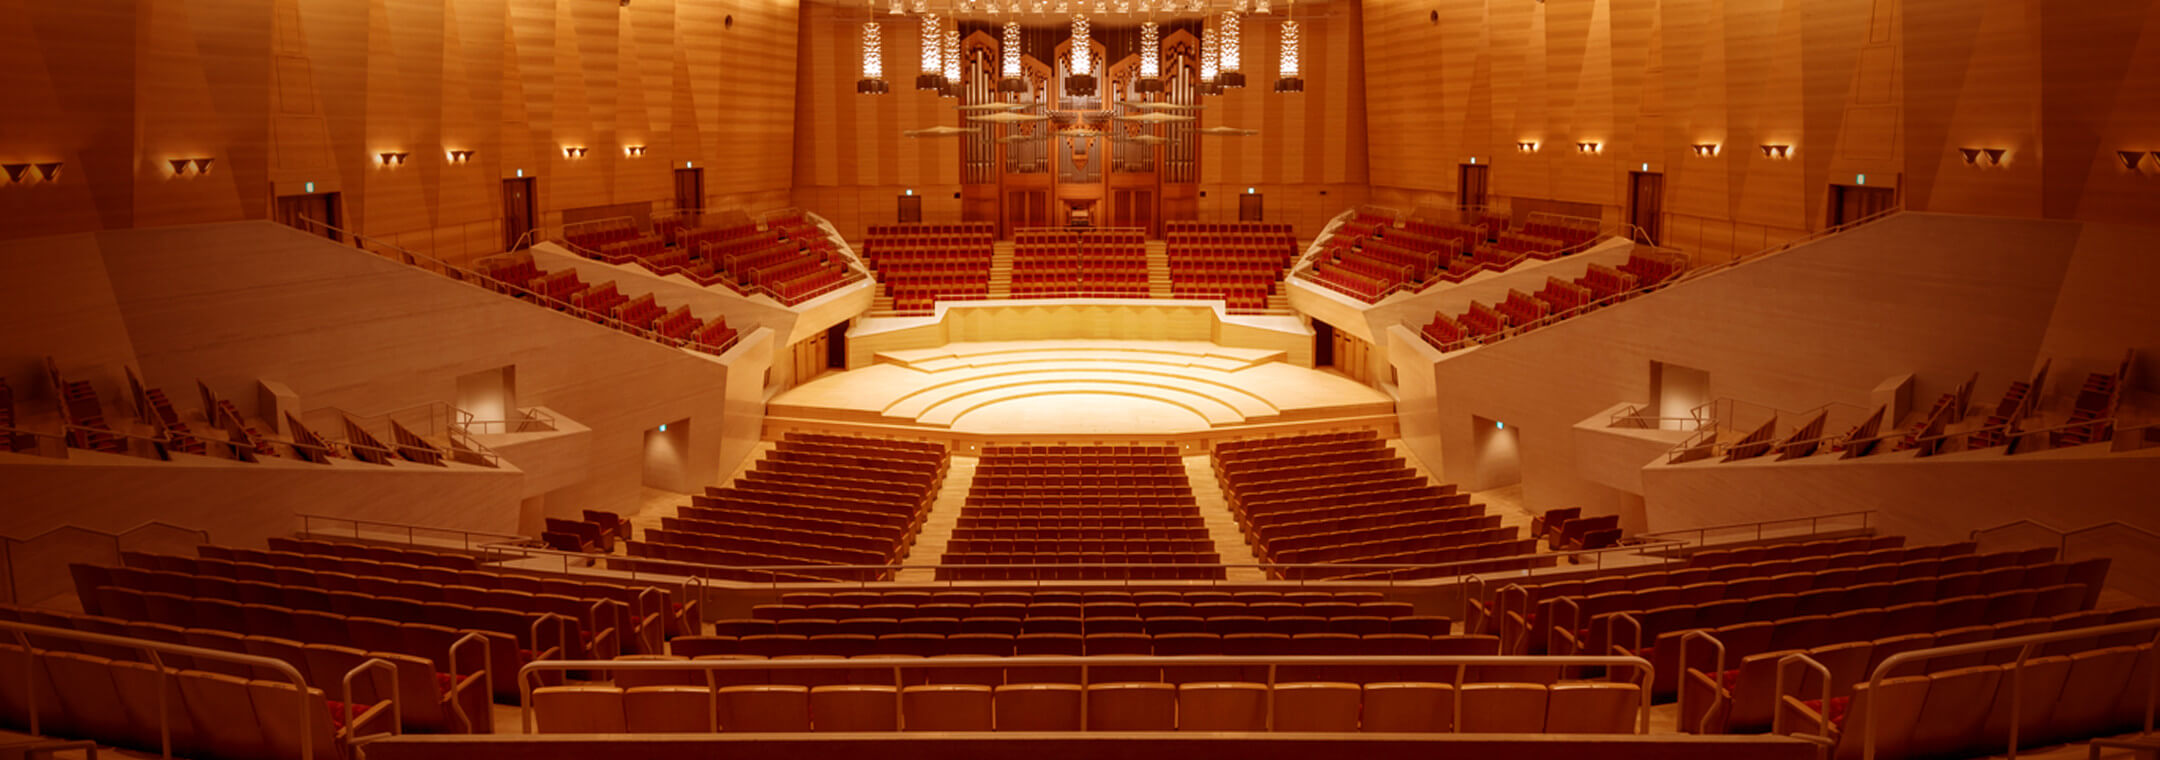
[(1956, 710), (947, 707), (1038, 707), (1131, 707), (770, 708), (1222, 706), (1409, 707), (578, 709), (669, 709), (1504, 708), (1316, 706), (1593, 708), (855, 707)]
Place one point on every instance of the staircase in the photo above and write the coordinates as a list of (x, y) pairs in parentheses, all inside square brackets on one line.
[(1158, 269), (1221, 524), (937, 529), (1001, 265)]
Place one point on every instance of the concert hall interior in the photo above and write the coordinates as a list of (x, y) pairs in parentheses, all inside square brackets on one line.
[(1158, 379)]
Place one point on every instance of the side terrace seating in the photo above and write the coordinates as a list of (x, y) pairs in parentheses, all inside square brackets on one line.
[(1558, 301)]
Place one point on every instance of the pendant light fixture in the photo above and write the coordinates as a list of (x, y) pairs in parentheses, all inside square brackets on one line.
[(933, 54), (1210, 62), (1289, 74), (952, 60), (873, 61), (1150, 59), (1009, 53), (1081, 79), (1227, 48)]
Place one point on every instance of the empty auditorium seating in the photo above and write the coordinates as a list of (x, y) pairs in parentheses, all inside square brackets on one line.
[(1240, 263), (812, 500), (1559, 300), (1346, 498), (1094, 263), (921, 264), (1076, 512), (787, 257), (604, 303)]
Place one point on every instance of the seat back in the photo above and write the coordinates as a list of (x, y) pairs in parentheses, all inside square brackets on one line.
[(668, 709), (765, 708), (1038, 707), (1592, 708), (1222, 706), (1131, 707), (947, 707), (855, 707), (578, 710), (1316, 706)]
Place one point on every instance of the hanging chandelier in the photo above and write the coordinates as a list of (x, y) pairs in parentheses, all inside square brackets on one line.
[(1150, 59), (1261, 6), (933, 55), (1290, 75), (1210, 62), (899, 8), (873, 61), (1227, 48), (952, 61), (1010, 54), (1080, 80)]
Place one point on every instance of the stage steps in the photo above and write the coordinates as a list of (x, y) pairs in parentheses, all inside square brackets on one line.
[(1158, 269)]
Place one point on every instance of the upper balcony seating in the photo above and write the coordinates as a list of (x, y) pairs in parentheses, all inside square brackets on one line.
[(812, 500), (565, 291), (2095, 404), (84, 415), (431, 700), (1238, 262), (1559, 300), (1331, 499), (921, 264), (790, 258), (1067, 511), (10, 440)]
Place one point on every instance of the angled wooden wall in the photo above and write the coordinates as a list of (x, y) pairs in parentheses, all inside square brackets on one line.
[(282, 93)]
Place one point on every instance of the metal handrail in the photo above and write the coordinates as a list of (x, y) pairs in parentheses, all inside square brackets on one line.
[(1841, 440), (527, 675), (2026, 646), (1814, 525), (466, 537), (569, 559), (156, 651), (2062, 537)]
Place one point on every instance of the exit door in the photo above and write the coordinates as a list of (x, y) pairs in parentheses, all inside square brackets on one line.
[(1249, 208), (1470, 187), (1646, 204), (690, 194), (910, 209), (519, 213), (1852, 203), (313, 213)]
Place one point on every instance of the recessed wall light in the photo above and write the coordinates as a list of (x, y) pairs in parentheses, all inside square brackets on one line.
[(1777, 151)]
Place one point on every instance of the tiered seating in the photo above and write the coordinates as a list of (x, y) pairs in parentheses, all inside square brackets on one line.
[(84, 414), (430, 700), (1372, 255), (2095, 407), (604, 303), (921, 264), (1742, 697), (789, 258), (1558, 300), (1074, 509), (1055, 263), (1240, 263), (2084, 687), (812, 500), (1570, 232), (601, 233), (10, 440), (112, 699), (1219, 698), (1340, 498), (172, 427)]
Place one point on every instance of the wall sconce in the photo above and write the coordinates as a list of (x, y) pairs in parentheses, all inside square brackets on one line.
[(2130, 158), (1526, 146), (1589, 147), (1706, 150), (393, 159), (634, 150), (180, 166), (460, 156), (1777, 151), (1994, 156), (15, 172), (573, 152), (202, 165)]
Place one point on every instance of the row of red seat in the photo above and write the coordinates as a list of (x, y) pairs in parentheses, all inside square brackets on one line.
[(922, 264), (1240, 263), (1197, 605), (1558, 300), (602, 302), (1062, 637)]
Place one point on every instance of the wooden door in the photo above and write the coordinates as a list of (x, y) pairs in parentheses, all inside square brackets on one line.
[(1470, 186), (314, 213), (836, 345), (910, 209), (1852, 203), (1250, 208), (1646, 204), (690, 194), (1323, 344), (519, 212)]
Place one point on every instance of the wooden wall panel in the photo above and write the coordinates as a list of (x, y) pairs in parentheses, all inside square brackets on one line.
[(286, 92), (1889, 89)]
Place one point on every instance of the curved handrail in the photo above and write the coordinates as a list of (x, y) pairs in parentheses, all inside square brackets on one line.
[(1813, 521), (1702, 726)]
